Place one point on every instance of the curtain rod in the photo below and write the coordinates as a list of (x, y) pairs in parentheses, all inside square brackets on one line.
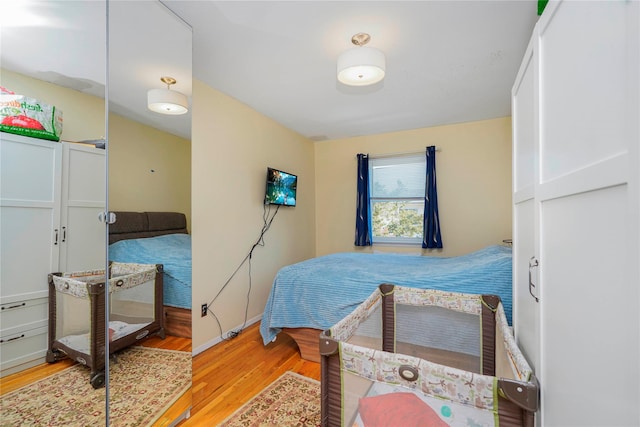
[(404, 153)]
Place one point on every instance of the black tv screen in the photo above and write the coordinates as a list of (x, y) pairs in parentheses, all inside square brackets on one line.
[(281, 188)]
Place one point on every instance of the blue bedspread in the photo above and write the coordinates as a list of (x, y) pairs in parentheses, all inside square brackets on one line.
[(171, 250), (317, 293)]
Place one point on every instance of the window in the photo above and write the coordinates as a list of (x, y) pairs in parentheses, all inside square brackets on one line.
[(397, 189)]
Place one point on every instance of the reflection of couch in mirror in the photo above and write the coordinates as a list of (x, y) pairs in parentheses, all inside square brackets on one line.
[(160, 238)]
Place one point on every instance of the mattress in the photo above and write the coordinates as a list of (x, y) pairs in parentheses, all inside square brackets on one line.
[(120, 329), (318, 292), (173, 251), (392, 406)]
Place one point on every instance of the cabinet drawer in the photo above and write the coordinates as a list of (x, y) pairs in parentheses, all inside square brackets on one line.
[(22, 347), (15, 314)]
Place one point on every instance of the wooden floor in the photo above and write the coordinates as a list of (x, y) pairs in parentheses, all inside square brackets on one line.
[(230, 373), (224, 376)]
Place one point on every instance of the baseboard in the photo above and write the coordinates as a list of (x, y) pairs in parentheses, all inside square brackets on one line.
[(217, 340), (184, 416)]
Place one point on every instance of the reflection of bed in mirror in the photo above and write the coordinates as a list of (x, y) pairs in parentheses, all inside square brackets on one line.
[(159, 238)]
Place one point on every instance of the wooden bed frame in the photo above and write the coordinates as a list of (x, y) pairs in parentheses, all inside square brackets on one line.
[(308, 340), (136, 225)]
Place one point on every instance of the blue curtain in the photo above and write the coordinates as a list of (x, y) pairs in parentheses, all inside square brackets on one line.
[(431, 238), (363, 219)]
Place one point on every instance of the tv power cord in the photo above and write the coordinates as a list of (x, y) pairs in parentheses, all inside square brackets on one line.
[(266, 224)]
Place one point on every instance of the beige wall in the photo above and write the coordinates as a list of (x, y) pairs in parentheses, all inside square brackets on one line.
[(134, 149), (232, 145), (473, 176), (82, 114), (149, 170)]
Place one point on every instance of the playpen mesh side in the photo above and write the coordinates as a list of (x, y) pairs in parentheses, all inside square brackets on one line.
[(132, 296), (79, 306), (510, 362), (428, 325), (404, 347), (363, 325)]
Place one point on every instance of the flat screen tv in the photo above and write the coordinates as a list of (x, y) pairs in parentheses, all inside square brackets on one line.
[(281, 188)]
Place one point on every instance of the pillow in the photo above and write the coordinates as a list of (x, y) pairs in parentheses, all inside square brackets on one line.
[(397, 409)]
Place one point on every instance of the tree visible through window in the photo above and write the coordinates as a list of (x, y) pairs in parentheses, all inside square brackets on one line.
[(397, 198)]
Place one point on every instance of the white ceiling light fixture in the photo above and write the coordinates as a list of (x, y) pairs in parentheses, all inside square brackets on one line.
[(167, 101), (361, 65)]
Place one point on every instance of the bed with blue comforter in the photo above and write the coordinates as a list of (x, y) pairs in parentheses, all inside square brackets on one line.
[(171, 250), (159, 238), (319, 292)]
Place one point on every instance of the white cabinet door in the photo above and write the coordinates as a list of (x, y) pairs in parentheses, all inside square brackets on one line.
[(30, 242), (584, 214), (29, 216), (83, 198), (588, 196), (526, 310)]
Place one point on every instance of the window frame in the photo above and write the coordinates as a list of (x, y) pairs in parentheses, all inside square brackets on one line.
[(375, 162)]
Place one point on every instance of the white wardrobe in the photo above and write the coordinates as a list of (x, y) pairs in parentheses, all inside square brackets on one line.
[(576, 212), (50, 196)]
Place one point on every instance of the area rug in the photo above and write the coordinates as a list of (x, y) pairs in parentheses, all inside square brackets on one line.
[(291, 400), (144, 383)]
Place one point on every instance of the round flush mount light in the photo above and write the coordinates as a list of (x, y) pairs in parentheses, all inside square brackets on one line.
[(167, 101), (361, 65)]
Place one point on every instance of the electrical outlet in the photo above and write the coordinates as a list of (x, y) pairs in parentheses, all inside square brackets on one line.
[(203, 310)]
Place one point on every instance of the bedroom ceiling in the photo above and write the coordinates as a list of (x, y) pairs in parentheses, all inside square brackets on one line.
[(447, 61)]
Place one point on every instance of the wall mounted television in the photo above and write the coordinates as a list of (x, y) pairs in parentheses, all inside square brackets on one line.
[(281, 188)]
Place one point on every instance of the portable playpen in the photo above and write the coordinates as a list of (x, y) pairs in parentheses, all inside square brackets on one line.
[(77, 313), (416, 357)]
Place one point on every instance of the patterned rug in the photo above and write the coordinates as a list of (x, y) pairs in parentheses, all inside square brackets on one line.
[(291, 400), (144, 383)]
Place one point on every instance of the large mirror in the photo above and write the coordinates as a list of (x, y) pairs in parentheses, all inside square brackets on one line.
[(52, 108), (150, 176), (54, 54)]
